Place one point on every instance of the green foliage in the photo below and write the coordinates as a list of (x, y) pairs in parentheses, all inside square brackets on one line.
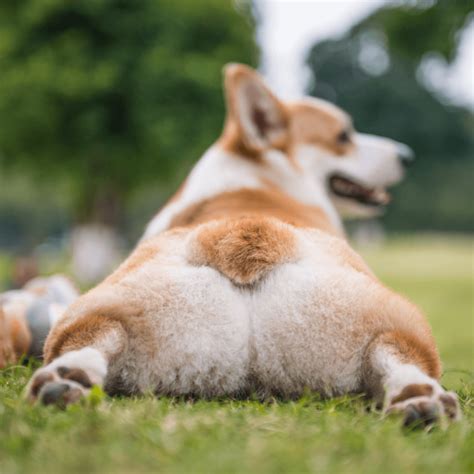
[(414, 28), (389, 99), (344, 435), (112, 93)]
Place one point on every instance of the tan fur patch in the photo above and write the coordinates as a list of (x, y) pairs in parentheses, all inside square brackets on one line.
[(78, 375), (413, 390), (16, 329), (21, 337), (413, 348), (243, 250), (80, 333), (7, 354), (254, 203), (87, 322), (313, 122)]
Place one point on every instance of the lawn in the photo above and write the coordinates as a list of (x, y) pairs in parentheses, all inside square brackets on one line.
[(338, 436)]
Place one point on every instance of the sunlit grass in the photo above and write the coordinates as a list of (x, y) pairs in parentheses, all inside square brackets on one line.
[(310, 435)]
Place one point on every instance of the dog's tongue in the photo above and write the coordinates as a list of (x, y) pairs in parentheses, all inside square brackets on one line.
[(348, 188), (381, 196)]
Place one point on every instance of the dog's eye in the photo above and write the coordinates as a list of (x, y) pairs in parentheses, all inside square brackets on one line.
[(344, 137)]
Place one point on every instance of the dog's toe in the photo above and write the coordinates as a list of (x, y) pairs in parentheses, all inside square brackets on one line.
[(60, 394), (37, 383), (52, 393), (412, 416), (422, 414), (450, 404), (427, 410)]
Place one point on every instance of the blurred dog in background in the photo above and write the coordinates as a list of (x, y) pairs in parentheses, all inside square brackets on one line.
[(27, 315)]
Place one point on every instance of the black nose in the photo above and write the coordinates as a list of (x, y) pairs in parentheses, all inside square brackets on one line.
[(405, 154)]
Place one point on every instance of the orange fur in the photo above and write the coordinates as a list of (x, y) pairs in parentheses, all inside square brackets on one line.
[(77, 334), (89, 323), (16, 337), (319, 126), (411, 348), (78, 375), (20, 336), (7, 354), (254, 203), (243, 250), (413, 390)]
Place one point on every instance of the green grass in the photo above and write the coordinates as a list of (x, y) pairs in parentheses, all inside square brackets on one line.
[(337, 436)]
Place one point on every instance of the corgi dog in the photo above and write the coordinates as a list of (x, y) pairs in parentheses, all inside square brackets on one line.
[(244, 282)]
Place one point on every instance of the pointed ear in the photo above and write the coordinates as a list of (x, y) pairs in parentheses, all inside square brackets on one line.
[(259, 116)]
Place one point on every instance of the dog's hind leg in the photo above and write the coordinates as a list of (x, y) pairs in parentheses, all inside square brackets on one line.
[(77, 356), (401, 371)]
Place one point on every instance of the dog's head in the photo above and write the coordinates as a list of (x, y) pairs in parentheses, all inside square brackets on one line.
[(317, 138)]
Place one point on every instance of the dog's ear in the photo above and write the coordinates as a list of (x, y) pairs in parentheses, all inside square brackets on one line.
[(260, 117)]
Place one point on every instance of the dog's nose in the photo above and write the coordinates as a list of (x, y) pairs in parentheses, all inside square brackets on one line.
[(405, 154)]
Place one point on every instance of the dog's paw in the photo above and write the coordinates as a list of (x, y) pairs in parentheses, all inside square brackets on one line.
[(423, 405), (59, 386), (67, 379)]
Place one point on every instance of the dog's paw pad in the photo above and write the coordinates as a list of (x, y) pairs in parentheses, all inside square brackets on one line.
[(60, 394), (420, 411), (421, 414), (61, 386)]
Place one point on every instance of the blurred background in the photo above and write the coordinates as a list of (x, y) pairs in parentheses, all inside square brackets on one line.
[(106, 104)]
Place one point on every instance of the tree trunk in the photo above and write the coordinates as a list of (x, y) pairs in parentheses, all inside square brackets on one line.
[(96, 245)]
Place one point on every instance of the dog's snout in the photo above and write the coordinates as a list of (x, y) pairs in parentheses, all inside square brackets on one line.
[(405, 154)]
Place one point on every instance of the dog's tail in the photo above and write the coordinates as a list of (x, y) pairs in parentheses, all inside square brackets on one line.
[(243, 250)]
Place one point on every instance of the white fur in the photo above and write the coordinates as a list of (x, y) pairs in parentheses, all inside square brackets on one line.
[(56, 312), (197, 324)]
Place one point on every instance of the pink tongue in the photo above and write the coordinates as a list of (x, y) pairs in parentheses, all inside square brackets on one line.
[(378, 195)]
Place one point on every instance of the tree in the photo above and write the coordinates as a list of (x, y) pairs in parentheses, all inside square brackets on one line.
[(113, 93), (374, 73)]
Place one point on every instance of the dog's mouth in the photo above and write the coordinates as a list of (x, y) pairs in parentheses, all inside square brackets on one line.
[(347, 188)]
